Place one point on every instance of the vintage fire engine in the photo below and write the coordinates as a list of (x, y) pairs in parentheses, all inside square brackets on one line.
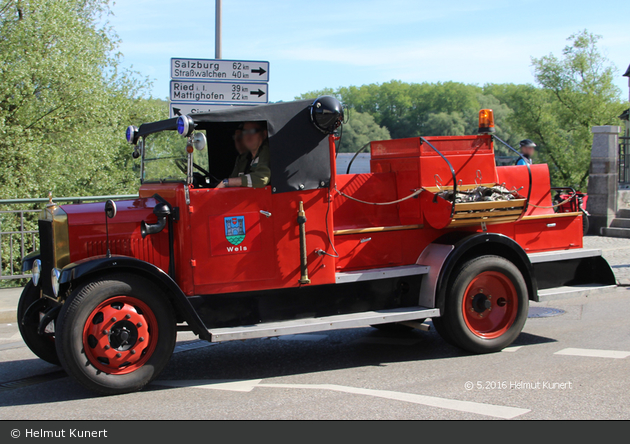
[(435, 230)]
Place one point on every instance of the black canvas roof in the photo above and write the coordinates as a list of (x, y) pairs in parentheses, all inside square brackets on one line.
[(299, 153)]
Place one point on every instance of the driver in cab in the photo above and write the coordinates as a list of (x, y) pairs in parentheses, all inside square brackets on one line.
[(255, 171)]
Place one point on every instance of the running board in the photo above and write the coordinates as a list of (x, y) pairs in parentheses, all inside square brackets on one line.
[(563, 255), (309, 325), (572, 291), (380, 273)]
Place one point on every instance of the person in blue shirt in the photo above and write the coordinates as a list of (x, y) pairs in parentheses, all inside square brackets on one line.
[(527, 150)]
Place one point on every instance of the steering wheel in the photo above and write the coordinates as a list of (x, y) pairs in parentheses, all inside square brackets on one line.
[(183, 167)]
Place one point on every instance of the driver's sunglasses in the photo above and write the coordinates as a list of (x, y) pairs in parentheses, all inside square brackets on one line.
[(251, 131)]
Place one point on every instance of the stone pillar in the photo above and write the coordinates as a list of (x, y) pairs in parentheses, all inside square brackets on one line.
[(603, 182)]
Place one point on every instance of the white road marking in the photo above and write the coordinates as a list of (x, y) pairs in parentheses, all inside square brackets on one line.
[(217, 384), (492, 410), (593, 353), (512, 349), (387, 341), (303, 337)]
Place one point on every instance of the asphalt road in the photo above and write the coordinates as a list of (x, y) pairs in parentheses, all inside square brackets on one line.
[(571, 366)]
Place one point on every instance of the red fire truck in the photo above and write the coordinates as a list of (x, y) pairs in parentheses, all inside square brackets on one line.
[(435, 230)]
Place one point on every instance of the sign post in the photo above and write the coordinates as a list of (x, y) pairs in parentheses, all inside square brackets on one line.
[(203, 85), (217, 29)]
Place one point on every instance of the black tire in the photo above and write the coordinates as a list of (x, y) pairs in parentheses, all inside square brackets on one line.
[(477, 328), (585, 223), (42, 346), (138, 298), (438, 324)]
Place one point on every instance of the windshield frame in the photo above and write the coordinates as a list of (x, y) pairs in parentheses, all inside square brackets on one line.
[(143, 160)]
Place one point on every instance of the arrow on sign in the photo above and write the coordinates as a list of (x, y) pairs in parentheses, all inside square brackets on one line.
[(260, 71), (258, 93), (176, 111)]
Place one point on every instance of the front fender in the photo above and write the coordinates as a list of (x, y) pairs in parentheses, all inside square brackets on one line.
[(27, 261), (84, 269)]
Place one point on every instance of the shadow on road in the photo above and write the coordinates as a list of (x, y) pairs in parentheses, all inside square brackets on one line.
[(263, 359)]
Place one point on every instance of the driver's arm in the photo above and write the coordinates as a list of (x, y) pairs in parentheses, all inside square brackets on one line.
[(232, 182)]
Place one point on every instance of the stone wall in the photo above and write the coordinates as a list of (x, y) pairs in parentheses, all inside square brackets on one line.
[(603, 182), (623, 199)]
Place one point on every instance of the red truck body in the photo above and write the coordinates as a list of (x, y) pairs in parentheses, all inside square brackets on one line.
[(268, 258), (313, 250)]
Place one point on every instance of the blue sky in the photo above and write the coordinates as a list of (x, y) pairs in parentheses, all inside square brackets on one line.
[(321, 43)]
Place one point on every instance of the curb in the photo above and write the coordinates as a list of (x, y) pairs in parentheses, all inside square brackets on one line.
[(9, 298), (8, 316)]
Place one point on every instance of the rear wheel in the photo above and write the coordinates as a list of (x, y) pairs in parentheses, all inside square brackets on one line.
[(116, 334), (42, 345), (486, 305)]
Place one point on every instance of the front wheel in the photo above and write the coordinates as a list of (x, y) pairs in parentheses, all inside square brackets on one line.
[(486, 305), (42, 345), (116, 334)]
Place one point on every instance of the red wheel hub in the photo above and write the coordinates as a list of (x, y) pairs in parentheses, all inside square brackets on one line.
[(490, 304), (120, 335)]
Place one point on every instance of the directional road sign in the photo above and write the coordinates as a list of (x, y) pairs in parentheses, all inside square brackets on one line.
[(219, 70), (181, 109), (218, 92)]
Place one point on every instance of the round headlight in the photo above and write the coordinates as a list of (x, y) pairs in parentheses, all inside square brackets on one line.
[(54, 278), (37, 271), (132, 134), (185, 125)]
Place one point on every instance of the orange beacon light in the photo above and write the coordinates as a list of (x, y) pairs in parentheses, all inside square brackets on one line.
[(486, 121)]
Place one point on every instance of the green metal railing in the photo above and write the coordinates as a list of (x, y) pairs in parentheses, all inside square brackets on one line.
[(18, 229)]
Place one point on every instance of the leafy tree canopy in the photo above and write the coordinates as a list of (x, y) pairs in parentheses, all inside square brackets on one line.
[(65, 101), (361, 129), (423, 109)]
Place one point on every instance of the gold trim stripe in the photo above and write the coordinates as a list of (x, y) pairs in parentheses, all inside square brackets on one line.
[(377, 229), (551, 216)]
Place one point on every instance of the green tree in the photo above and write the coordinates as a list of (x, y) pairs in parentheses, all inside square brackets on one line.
[(424, 109), (64, 101), (64, 106), (361, 129), (577, 92), (445, 124)]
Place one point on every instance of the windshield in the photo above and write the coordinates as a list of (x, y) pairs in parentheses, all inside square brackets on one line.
[(164, 157)]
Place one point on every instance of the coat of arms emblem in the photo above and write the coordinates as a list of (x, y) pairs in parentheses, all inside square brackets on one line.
[(235, 229)]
